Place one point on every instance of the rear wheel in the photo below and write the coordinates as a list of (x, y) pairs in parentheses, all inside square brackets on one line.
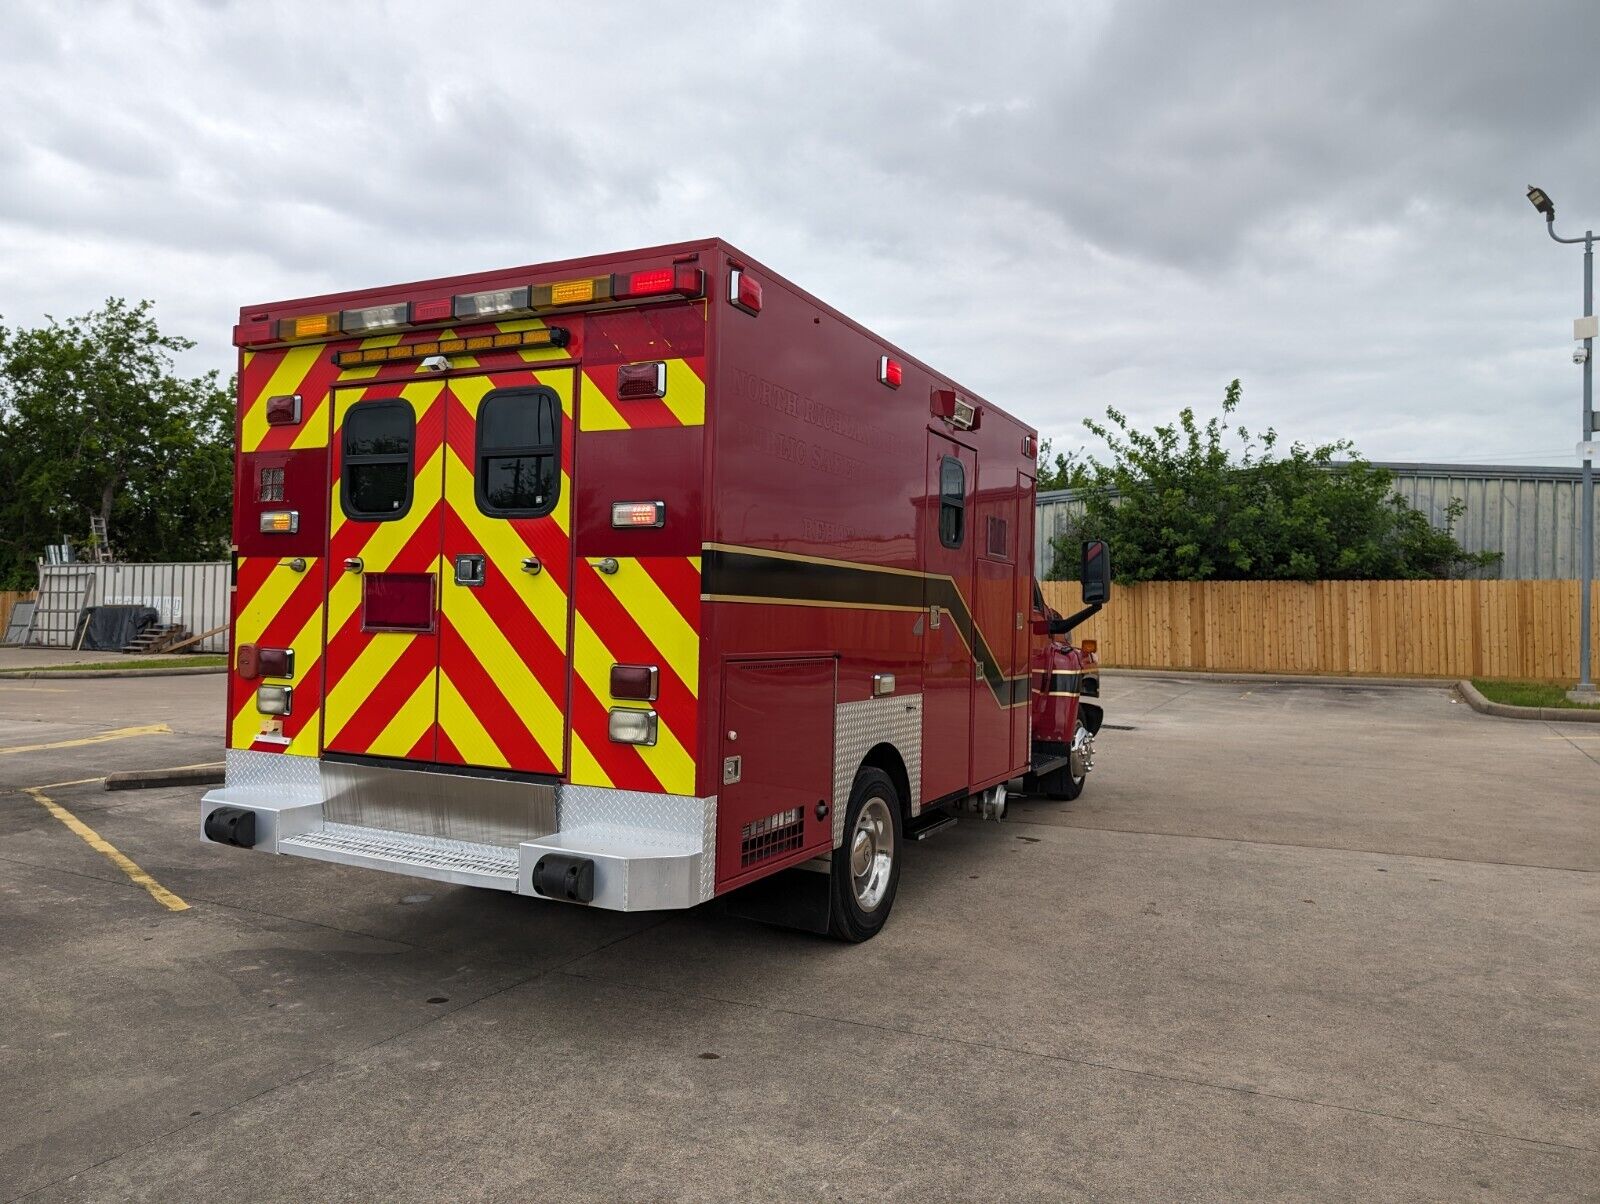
[(866, 867)]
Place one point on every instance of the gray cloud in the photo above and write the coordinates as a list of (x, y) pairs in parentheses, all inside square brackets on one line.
[(1065, 205)]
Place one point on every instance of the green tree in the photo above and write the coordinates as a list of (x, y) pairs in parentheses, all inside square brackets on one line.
[(1178, 505), (1060, 470), (96, 421)]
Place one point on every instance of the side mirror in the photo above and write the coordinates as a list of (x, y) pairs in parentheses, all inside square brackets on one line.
[(1096, 572)]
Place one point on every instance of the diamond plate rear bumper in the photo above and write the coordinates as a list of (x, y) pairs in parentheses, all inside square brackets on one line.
[(650, 851)]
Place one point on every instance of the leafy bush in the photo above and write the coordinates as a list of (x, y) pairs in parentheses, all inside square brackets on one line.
[(1177, 505)]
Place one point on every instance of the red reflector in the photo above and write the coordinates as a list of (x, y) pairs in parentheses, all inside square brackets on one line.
[(432, 311), (275, 662), (397, 602), (246, 663), (635, 381), (889, 372), (283, 410), (744, 291), (634, 681)]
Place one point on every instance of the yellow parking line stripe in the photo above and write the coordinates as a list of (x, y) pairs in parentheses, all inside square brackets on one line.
[(121, 733), (111, 853), (38, 689)]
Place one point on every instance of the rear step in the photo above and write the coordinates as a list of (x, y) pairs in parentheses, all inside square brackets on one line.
[(926, 825), (460, 861)]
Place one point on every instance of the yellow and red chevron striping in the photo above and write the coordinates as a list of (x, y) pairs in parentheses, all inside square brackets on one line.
[(279, 608), (683, 405), (628, 617)]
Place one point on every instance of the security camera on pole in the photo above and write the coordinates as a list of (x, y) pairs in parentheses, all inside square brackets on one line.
[(1585, 329)]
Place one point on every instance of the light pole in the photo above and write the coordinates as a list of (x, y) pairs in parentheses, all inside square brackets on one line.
[(1586, 329)]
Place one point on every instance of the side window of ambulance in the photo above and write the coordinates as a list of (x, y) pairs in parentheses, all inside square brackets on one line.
[(519, 453), (952, 502), (376, 483)]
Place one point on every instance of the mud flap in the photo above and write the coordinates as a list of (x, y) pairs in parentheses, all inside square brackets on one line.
[(797, 898)]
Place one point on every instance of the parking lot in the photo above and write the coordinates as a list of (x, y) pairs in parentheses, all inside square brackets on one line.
[(1292, 941)]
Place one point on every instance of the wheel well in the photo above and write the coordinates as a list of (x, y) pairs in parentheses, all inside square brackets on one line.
[(887, 758)]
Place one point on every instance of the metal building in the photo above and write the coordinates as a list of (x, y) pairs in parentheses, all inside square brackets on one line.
[(1529, 515)]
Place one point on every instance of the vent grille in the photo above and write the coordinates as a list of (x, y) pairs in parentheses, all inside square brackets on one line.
[(780, 833)]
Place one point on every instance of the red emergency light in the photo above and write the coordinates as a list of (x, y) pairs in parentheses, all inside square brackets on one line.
[(679, 279), (437, 310), (283, 410), (889, 371), (744, 291), (639, 381)]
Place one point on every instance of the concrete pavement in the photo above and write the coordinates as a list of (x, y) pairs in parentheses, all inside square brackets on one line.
[(1291, 941)]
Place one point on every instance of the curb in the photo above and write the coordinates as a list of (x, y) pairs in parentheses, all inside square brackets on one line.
[(182, 775), (1292, 679), (90, 674), (1504, 710)]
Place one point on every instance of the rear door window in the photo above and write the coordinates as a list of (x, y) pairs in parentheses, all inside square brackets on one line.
[(519, 453), (377, 443)]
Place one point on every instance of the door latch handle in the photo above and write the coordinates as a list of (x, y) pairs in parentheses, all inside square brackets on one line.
[(353, 564), (607, 566), (530, 564), (471, 568)]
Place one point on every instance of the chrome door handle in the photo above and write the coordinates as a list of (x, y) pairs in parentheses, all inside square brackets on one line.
[(353, 565), (530, 564), (608, 566)]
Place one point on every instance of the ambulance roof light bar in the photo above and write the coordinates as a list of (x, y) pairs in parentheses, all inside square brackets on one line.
[(680, 280)]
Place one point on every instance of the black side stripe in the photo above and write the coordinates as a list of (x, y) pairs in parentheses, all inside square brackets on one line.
[(750, 574)]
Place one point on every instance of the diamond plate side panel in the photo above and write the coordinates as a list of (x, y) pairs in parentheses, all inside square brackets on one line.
[(684, 816), (857, 728), (275, 772)]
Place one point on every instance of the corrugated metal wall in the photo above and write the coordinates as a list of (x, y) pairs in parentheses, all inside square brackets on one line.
[(193, 594), (1529, 515)]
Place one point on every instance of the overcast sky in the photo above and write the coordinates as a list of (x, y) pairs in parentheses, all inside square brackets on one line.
[(1065, 206)]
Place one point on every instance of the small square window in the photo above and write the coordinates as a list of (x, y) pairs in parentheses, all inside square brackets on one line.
[(999, 538), (269, 485)]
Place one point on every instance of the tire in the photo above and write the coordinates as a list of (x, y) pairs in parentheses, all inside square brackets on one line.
[(1061, 785), (866, 867)]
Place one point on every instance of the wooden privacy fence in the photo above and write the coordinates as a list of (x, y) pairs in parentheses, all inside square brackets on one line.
[(8, 599), (1521, 629)]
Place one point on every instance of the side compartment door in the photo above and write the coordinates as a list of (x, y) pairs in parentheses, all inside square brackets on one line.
[(382, 649), (948, 666), (506, 579)]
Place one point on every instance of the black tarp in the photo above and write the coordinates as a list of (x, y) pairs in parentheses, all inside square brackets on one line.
[(113, 628)]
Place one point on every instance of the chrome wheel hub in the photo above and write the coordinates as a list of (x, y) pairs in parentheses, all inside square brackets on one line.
[(872, 853), (1082, 753)]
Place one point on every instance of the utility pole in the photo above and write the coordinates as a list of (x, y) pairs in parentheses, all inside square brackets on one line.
[(1585, 328)]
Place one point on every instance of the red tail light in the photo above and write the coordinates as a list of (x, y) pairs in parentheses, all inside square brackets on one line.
[(397, 602), (275, 662), (634, 681)]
